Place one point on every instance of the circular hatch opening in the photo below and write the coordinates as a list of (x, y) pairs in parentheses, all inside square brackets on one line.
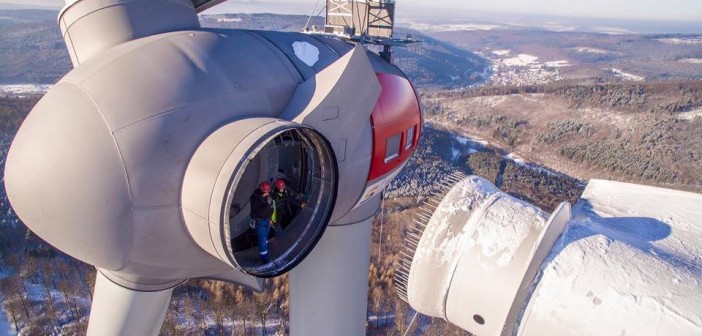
[(302, 158)]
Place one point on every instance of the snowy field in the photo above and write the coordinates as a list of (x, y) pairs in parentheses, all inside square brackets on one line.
[(557, 64), (468, 26), (690, 115), (590, 50), (229, 20), (523, 69), (610, 30), (692, 60), (682, 40), (625, 76), (21, 90), (520, 60)]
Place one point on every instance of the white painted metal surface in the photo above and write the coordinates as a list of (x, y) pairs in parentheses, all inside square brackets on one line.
[(120, 311), (329, 289), (90, 27), (628, 264), (478, 255), (98, 167)]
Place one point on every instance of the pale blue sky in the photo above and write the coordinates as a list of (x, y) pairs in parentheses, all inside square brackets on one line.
[(665, 10)]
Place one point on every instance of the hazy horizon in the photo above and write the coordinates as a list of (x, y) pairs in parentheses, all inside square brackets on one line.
[(642, 16), (655, 10)]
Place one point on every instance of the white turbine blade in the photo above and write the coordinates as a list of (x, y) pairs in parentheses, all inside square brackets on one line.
[(120, 311)]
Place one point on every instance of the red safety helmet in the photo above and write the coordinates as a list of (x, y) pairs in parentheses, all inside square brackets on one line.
[(265, 187), (280, 183)]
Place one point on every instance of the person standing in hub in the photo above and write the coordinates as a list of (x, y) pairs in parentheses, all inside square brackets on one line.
[(287, 203), (262, 208)]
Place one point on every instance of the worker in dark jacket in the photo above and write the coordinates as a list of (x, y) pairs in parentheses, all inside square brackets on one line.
[(262, 209), (287, 202)]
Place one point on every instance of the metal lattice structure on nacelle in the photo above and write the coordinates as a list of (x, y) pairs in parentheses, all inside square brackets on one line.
[(360, 18), (364, 21)]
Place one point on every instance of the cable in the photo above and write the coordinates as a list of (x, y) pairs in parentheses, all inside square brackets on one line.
[(320, 11), (307, 24), (411, 322), (382, 219)]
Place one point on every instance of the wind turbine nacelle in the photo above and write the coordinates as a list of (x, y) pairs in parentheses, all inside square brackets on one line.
[(142, 159)]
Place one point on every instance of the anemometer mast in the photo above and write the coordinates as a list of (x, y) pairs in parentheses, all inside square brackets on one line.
[(364, 21)]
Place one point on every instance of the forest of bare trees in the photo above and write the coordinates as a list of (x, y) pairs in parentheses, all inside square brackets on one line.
[(634, 132)]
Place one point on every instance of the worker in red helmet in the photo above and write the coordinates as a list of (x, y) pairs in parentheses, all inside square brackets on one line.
[(287, 203), (262, 210)]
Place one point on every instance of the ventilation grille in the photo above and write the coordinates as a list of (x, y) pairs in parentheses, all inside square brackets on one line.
[(416, 229)]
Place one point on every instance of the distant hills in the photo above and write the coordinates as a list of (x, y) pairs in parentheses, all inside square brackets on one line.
[(446, 20), (32, 50), (431, 63), (16, 6), (31, 47), (576, 55)]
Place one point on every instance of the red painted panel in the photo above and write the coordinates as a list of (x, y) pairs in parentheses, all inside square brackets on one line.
[(396, 111)]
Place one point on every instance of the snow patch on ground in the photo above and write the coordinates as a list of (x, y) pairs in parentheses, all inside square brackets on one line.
[(682, 40), (610, 30), (452, 27), (518, 160), (557, 27), (590, 50), (514, 157), (691, 60), (24, 89), (557, 64), (229, 20), (501, 52), (478, 144), (690, 115), (624, 75), (457, 152), (521, 60)]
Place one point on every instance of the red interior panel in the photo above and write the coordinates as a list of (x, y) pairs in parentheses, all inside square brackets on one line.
[(396, 111)]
